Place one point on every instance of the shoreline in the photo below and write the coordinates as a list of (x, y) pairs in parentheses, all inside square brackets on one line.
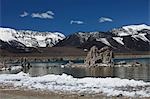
[(62, 53), (61, 85), (13, 59)]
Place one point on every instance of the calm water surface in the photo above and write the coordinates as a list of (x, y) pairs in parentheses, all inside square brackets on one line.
[(137, 73)]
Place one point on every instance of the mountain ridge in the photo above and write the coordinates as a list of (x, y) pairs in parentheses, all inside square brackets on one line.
[(31, 38), (126, 38)]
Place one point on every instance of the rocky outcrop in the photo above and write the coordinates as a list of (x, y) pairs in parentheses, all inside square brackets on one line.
[(97, 56)]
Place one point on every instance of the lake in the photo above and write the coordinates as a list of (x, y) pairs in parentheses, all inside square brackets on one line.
[(136, 72)]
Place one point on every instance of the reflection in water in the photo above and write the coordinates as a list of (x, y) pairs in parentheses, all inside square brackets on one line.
[(137, 73), (141, 72), (99, 71)]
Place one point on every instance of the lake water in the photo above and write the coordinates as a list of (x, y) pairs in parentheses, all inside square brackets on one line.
[(136, 72)]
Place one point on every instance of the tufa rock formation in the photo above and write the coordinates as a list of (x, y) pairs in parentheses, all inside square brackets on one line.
[(96, 56)]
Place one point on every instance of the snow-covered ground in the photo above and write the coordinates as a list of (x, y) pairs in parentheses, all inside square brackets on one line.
[(11, 68), (67, 84)]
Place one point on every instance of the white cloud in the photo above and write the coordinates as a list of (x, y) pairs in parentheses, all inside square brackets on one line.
[(76, 22), (105, 19), (24, 14), (45, 15)]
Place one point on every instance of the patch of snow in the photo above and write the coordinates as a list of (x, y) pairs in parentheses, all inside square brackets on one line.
[(122, 34), (104, 40), (40, 39), (60, 34), (6, 34), (62, 66), (119, 40), (83, 36), (133, 29), (130, 30), (136, 27), (141, 36), (16, 67), (11, 68), (42, 43), (104, 64), (68, 84)]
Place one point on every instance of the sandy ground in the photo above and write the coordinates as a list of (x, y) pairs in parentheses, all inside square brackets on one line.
[(8, 92), (28, 94)]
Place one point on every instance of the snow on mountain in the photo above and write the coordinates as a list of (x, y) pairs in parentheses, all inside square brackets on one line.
[(132, 37), (119, 40), (141, 36), (122, 37), (130, 30), (31, 38), (86, 35), (7, 34), (136, 27), (104, 40)]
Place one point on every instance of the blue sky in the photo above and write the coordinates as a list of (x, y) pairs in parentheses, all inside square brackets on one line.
[(69, 16)]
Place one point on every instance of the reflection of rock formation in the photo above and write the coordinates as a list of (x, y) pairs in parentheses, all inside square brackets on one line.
[(99, 71), (1, 65), (96, 56)]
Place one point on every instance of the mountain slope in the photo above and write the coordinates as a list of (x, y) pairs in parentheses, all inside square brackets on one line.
[(126, 38), (123, 39), (31, 38), (25, 41), (78, 39), (130, 30)]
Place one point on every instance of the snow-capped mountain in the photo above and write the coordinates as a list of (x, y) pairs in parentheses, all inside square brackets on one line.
[(6, 34), (130, 30), (79, 38), (138, 32), (126, 38), (132, 37), (31, 38)]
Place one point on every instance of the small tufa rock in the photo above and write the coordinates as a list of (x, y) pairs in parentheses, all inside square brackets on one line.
[(96, 56)]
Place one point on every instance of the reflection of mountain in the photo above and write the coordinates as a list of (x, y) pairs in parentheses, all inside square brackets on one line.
[(127, 38)]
